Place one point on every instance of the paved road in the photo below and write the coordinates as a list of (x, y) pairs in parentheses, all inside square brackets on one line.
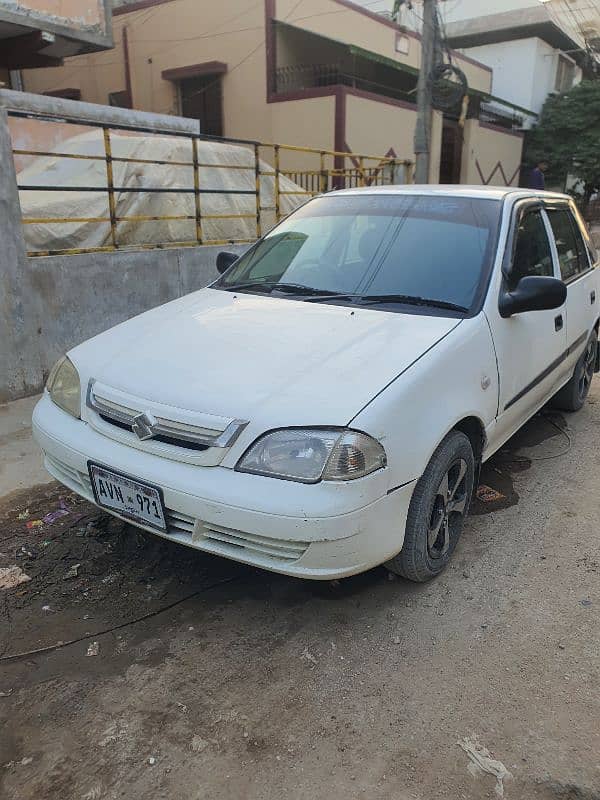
[(268, 687), (20, 462)]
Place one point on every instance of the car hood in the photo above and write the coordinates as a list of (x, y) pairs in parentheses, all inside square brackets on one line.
[(282, 361)]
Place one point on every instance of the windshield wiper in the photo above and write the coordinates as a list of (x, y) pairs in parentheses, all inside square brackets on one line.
[(310, 293), (291, 288), (411, 300), (300, 288), (234, 287)]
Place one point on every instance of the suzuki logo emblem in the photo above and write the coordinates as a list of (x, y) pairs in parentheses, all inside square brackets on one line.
[(143, 425)]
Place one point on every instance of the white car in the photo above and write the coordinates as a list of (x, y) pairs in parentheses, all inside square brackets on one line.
[(326, 404)]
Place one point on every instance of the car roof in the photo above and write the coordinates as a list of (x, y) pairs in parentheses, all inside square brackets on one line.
[(455, 190)]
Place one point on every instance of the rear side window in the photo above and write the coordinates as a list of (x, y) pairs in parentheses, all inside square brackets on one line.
[(587, 239), (572, 253), (532, 255)]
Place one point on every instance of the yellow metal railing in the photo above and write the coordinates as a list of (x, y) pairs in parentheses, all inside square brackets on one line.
[(330, 173)]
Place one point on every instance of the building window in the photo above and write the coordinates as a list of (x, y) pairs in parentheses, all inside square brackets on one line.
[(66, 94), (119, 99), (565, 74), (402, 44)]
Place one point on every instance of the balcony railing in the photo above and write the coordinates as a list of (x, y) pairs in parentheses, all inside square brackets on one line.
[(296, 77)]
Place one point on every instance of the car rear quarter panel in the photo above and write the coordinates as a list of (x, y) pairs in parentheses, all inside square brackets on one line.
[(455, 379)]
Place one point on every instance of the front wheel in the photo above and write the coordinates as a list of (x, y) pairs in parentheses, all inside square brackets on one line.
[(573, 395), (437, 511)]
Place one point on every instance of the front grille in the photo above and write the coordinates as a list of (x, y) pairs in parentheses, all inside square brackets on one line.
[(254, 547), (144, 423), (71, 477), (179, 523), (158, 437)]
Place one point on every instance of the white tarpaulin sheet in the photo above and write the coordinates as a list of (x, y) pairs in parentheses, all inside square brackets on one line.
[(70, 172)]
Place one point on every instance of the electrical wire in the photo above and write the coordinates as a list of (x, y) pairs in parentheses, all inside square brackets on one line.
[(208, 86), (579, 11), (529, 459), (153, 11), (449, 84), (330, 13), (251, 28), (587, 48), (104, 631), (147, 16), (261, 44), (199, 37), (210, 34), (561, 431)]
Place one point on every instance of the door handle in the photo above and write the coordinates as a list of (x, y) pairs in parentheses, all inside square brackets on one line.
[(592, 297), (558, 323)]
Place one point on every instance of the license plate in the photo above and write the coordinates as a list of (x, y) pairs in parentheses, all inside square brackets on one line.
[(137, 501)]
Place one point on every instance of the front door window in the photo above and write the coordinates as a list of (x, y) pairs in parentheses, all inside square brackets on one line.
[(532, 255)]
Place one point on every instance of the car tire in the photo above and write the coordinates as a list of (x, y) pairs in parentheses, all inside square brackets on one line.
[(438, 508), (573, 395)]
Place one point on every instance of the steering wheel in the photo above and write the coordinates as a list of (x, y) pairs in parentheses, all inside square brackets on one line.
[(337, 276), (307, 272)]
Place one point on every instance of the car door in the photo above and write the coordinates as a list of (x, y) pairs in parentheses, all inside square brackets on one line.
[(575, 261), (530, 346)]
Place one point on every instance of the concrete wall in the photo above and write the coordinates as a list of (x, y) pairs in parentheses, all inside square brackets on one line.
[(513, 64), (75, 13), (85, 21), (467, 9), (375, 127), (305, 123), (546, 70), (524, 70), (94, 114), (378, 126), (19, 360), (50, 304), (77, 297), (490, 155), (569, 15)]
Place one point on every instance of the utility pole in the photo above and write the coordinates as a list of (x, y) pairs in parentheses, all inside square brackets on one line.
[(422, 141)]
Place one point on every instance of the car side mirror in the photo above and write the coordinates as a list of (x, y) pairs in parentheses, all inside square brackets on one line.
[(532, 293), (225, 260)]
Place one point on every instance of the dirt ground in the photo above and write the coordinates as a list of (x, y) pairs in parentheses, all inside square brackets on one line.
[(216, 681)]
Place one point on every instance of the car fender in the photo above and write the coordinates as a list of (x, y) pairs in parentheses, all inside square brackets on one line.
[(455, 380)]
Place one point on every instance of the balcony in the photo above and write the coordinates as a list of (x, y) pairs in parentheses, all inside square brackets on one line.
[(35, 35), (297, 77)]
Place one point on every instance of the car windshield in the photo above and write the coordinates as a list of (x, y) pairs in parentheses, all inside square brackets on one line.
[(433, 249)]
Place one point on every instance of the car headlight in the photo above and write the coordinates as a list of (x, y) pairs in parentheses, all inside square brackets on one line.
[(309, 455), (64, 387)]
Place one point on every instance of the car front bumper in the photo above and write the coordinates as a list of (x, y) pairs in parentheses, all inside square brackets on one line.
[(205, 506)]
